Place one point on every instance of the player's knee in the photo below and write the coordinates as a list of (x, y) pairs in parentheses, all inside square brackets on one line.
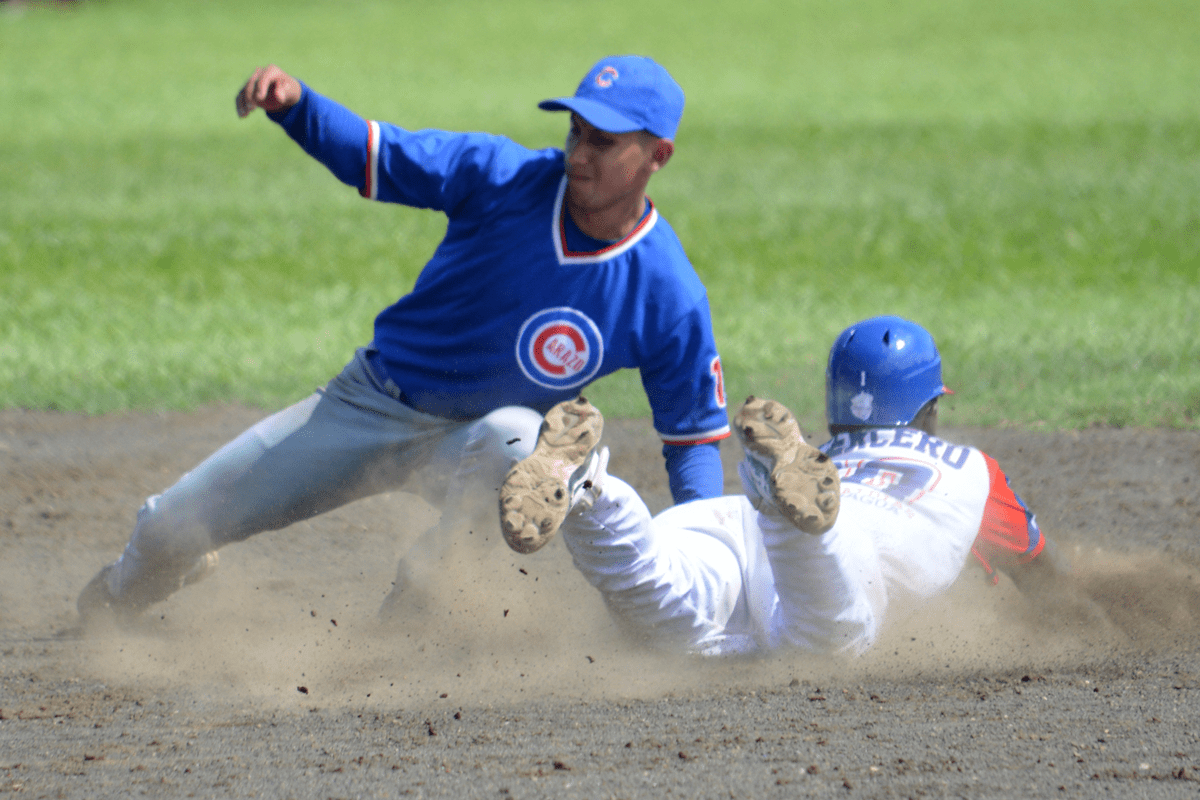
[(511, 429)]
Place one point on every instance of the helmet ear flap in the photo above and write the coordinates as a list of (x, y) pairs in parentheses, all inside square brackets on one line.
[(881, 372)]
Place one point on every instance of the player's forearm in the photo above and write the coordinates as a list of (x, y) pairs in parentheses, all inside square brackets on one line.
[(694, 471), (330, 133)]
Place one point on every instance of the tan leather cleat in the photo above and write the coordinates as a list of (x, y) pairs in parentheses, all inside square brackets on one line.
[(560, 475), (799, 479)]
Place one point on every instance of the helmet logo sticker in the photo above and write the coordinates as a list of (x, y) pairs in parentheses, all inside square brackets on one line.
[(861, 405), (559, 348)]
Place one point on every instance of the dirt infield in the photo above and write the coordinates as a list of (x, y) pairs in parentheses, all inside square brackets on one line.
[(272, 678)]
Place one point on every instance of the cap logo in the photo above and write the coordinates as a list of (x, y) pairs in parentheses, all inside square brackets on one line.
[(559, 348), (606, 77), (861, 405)]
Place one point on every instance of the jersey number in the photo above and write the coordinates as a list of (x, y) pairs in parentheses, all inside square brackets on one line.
[(719, 376)]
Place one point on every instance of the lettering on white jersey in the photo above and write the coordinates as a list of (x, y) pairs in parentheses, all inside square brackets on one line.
[(952, 455)]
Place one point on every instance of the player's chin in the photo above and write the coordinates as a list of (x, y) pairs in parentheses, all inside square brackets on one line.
[(580, 200)]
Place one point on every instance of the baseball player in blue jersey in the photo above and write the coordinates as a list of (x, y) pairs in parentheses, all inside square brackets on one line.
[(828, 546), (556, 269)]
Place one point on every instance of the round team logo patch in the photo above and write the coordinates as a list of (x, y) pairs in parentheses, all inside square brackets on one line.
[(559, 348)]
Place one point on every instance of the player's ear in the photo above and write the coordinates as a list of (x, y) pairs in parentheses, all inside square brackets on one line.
[(663, 150), (927, 418)]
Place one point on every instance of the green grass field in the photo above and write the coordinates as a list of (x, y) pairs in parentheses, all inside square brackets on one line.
[(1023, 178)]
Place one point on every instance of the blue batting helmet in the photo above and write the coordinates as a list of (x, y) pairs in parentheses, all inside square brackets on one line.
[(881, 372)]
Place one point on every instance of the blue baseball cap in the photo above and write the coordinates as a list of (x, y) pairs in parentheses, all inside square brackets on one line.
[(626, 93)]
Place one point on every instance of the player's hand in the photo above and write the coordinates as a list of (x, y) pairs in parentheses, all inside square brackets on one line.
[(269, 88)]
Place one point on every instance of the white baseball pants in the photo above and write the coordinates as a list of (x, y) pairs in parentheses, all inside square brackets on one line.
[(718, 577)]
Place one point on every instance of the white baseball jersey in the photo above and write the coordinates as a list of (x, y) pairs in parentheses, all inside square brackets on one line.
[(720, 576)]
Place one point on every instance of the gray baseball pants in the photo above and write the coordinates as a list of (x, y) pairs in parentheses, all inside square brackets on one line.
[(346, 441)]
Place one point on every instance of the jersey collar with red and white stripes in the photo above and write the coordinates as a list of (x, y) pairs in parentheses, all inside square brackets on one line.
[(559, 234)]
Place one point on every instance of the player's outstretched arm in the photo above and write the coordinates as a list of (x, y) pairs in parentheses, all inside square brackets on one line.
[(1042, 576), (269, 88)]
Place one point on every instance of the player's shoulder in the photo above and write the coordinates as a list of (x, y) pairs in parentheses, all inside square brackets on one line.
[(676, 288), (661, 255), (663, 239), (519, 167), (494, 174), (505, 158)]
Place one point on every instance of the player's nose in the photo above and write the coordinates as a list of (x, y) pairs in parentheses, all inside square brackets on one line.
[(578, 153)]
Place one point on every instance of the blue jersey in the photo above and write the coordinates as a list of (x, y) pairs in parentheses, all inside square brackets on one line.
[(516, 306)]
